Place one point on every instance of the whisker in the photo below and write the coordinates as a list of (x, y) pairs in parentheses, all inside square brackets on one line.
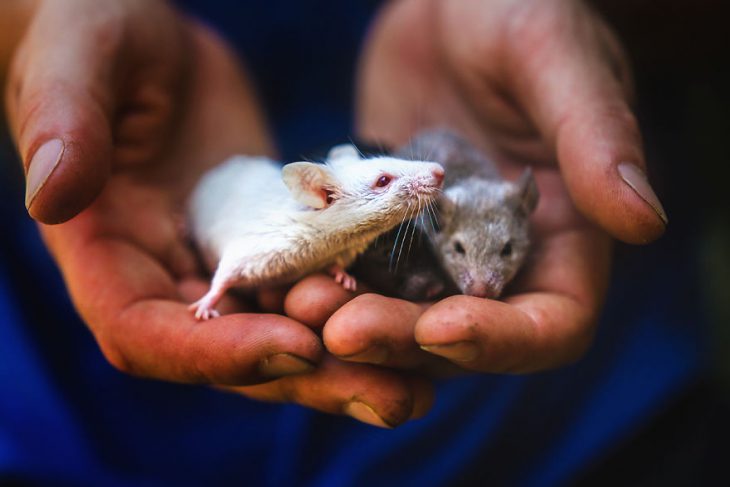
[(435, 221), (417, 212), (395, 242), (391, 259), (422, 229), (431, 212), (405, 234), (352, 142)]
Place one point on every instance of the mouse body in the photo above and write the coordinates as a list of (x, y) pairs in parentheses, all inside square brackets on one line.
[(481, 237), (402, 264), (258, 224)]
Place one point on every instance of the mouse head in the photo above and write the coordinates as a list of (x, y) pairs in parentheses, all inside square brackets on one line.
[(482, 237), (371, 192)]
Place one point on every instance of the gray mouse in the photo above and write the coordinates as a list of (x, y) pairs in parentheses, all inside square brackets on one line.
[(257, 224), (481, 237)]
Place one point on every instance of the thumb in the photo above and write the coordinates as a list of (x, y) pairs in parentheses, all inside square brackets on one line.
[(59, 103), (575, 88)]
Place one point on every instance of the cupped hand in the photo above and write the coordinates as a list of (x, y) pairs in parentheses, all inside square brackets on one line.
[(542, 83), (115, 119)]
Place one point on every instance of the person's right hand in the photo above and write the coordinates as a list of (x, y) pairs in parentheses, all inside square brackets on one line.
[(116, 108)]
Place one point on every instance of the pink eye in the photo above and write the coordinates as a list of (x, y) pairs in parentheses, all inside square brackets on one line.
[(383, 181)]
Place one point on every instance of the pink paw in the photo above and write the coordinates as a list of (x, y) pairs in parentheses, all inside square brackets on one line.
[(203, 310), (348, 282)]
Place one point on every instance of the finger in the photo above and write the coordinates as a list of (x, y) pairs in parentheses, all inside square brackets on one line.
[(491, 336), (369, 394), (137, 315), (376, 329), (271, 300), (78, 98), (192, 289), (568, 77), (59, 108), (550, 324), (313, 299)]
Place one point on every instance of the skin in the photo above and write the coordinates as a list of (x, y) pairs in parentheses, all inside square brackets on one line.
[(136, 141), (542, 83), (145, 100)]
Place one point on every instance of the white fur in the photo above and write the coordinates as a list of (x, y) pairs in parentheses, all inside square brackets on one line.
[(261, 231)]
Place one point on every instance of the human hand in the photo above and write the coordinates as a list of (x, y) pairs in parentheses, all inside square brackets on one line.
[(115, 120), (532, 82)]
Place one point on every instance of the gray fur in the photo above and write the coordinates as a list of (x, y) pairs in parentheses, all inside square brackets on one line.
[(415, 276), (482, 236)]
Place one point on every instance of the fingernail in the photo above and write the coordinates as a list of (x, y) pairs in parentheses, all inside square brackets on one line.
[(362, 412), (41, 166), (636, 179), (459, 351), (282, 364), (376, 354)]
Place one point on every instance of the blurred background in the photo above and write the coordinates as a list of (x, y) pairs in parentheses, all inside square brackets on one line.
[(680, 52)]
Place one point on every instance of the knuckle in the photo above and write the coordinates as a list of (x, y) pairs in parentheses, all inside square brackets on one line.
[(578, 347), (115, 356), (627, 119), (287, 391), (549, 350), (367, 299), (531, 22)]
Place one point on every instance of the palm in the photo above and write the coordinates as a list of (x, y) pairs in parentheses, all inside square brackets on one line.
[(434, 64), (128, 264), (177, 103), (455, 87)]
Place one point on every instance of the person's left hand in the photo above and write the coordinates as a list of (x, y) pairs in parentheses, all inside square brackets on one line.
[(540, 83)]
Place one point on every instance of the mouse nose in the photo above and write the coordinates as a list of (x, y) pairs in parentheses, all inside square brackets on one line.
[(438, 175), (481, 290)]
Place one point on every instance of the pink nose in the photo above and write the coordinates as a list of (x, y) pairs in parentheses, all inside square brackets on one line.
[(438, 175), (481, 290)]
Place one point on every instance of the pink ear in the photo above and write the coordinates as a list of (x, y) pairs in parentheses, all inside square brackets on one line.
[(309, 183), (526, 194)]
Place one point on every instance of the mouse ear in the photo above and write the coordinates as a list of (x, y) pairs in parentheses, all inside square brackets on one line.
[(342, 151), (309, 183), (526, 193)]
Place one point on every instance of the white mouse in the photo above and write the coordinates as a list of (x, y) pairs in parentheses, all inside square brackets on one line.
[(258, 224)]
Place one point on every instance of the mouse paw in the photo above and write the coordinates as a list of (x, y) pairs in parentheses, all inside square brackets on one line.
[(341, 277), (203, 310)]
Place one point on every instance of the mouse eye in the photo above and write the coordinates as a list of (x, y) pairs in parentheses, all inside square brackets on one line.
[(459, 248), (383, 181), (506, 250)]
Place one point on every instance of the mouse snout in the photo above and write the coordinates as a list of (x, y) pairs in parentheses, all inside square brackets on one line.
[(484, 288), (438, 175), (480, 290), (426, 181)]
